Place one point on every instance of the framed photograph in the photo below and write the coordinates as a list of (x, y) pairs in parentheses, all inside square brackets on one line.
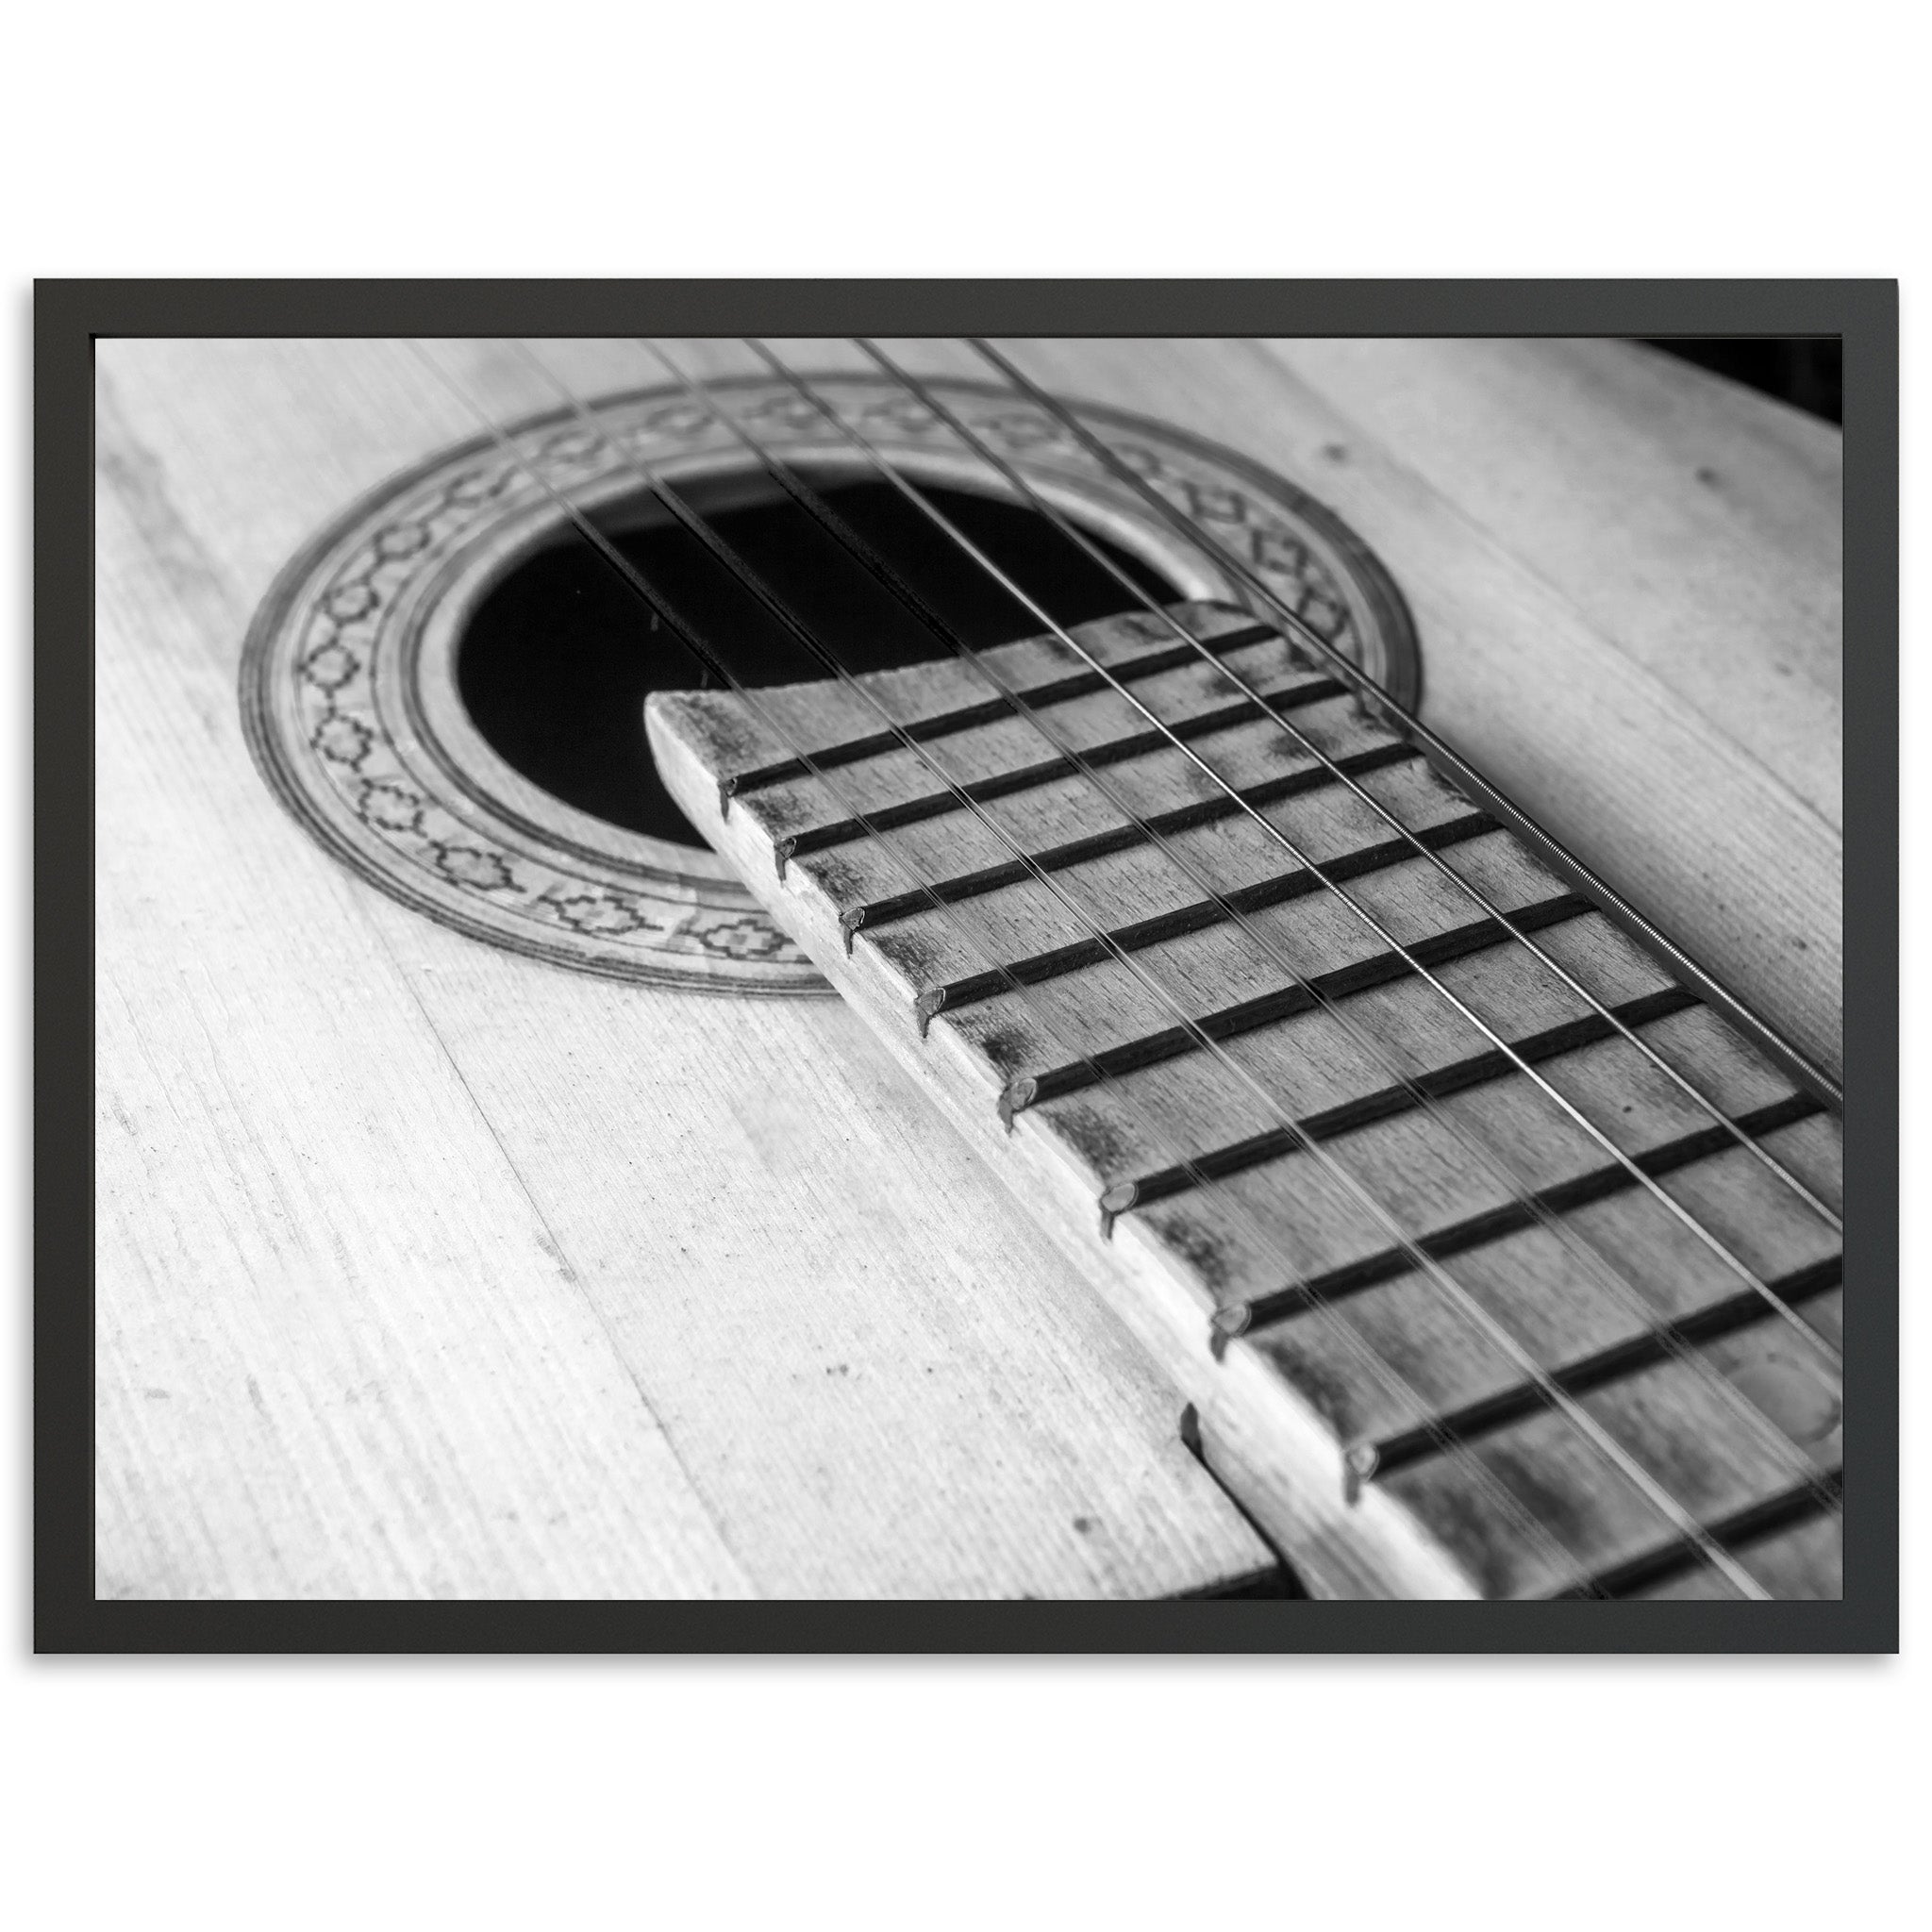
[(967, 966)]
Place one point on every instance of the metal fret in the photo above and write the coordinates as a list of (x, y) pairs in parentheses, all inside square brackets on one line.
[(1650, 1349), (1202, 914), (1113, 751), (1738, 1531), (992, 878), (1378, 968), (1060, 690), (1514, 1216), (1386, 1102)]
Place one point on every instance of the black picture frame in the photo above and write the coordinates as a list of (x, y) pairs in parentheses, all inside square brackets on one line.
[(69, 317)]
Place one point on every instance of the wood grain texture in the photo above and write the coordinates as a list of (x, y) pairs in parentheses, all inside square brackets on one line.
[(427, 1270), (1693, 522)]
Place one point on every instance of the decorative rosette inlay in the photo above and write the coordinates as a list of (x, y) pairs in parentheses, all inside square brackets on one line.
[(349, 679)]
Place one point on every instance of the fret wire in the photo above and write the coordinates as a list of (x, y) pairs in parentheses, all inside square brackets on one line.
[(1198, 916), (1026, 777), (1757, 1522), (1413, 726), (1338, 982), (856, 546), (1753, 1418), (1456, 1077), (1507, 1506), (1597, 1370), (1491, 1223), (1813, 1343), (1060, 690), (1186, 818), (1114, 751)]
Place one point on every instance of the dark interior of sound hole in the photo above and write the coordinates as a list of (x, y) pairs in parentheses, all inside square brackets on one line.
[(560, 653)]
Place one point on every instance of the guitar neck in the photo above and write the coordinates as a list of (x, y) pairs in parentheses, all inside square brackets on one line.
[(1493, 1260)]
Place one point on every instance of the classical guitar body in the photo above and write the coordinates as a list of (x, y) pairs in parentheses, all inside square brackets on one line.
[(1218, 971)]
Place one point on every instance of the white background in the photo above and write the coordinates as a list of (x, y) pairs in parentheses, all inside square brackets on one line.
[(994, 138)]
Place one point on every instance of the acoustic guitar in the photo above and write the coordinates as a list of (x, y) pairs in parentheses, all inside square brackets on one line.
[(912, 969)]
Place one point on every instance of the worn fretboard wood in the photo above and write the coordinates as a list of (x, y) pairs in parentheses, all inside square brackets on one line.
[(1244, 1098)]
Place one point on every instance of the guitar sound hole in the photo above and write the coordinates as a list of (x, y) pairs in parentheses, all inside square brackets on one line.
[(559, 654)]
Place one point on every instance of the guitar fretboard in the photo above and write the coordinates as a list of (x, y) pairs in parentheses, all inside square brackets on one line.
[(1494, 1260)]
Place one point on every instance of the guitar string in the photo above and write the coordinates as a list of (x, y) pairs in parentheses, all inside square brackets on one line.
[(1505, 1343), (1815, 1344), (1622, 1290), (1559, 1559), (1366, 690)]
